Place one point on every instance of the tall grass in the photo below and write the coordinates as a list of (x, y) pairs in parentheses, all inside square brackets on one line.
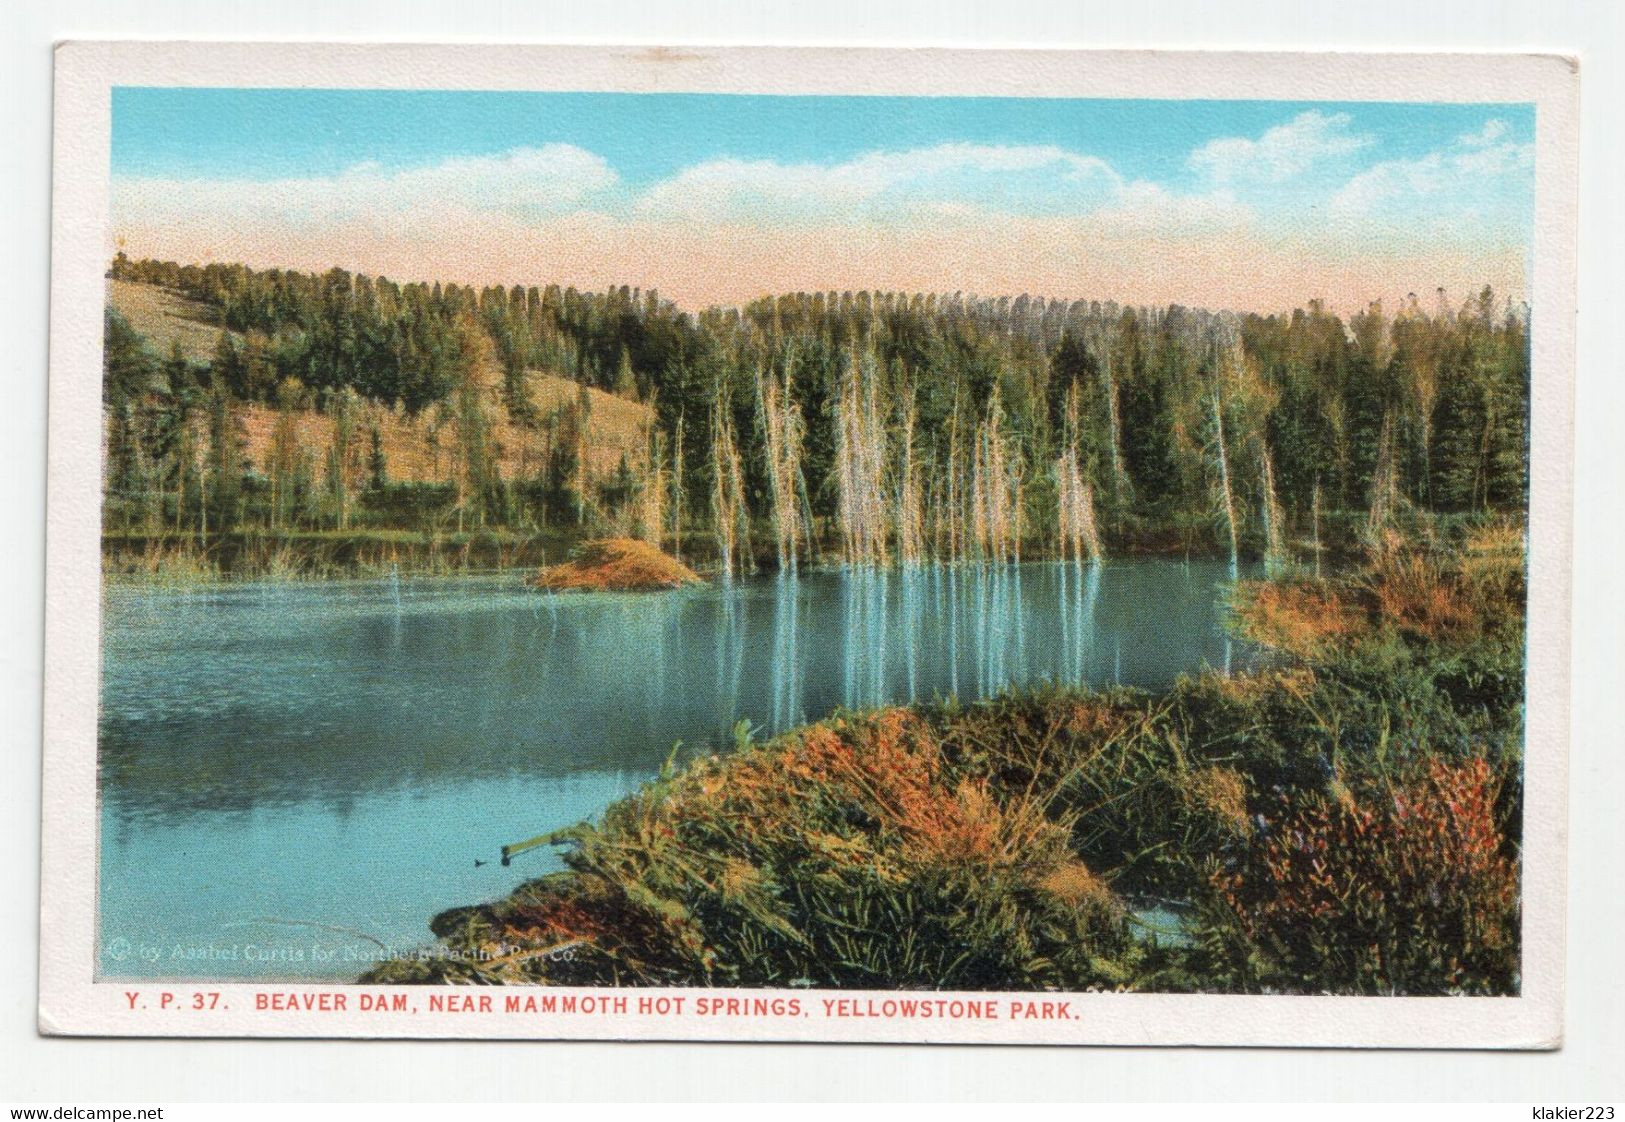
[(847, 854)]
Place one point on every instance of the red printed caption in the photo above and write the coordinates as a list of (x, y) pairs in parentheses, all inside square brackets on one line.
[(197, 1001), (546, 1003)]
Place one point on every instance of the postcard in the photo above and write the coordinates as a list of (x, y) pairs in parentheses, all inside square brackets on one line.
[(1027, 547)]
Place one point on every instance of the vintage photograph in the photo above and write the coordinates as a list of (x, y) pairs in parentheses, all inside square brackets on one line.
[(932, 558)]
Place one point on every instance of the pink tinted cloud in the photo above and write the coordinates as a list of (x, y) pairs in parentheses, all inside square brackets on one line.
[(1232, 265)]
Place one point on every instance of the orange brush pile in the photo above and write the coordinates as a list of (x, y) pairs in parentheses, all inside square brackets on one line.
[(616, 565)]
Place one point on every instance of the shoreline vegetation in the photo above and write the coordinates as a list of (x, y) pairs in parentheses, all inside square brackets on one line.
[(168, 560), (1346, 821)]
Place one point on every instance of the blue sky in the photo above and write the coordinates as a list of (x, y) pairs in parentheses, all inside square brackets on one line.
[(268, 134), (371, 172)]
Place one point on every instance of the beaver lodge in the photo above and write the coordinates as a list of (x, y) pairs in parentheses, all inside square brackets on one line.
[(616, 565)]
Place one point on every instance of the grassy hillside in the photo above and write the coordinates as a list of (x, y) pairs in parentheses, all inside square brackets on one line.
[(167, 318), (416, 449)]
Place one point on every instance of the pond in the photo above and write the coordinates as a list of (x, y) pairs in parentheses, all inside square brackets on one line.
[(296, 777)]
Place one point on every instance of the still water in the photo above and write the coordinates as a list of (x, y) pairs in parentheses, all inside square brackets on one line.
[(295, 777)]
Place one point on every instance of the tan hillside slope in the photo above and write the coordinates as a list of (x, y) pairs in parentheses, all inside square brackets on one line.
[(416, 449), (167, 317)]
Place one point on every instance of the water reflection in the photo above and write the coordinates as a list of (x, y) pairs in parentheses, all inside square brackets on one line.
[(973, 631), (235, 696), (341, 753), (787, 672)]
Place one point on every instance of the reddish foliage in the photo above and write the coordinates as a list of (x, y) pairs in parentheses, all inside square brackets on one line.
[(1409, 890)]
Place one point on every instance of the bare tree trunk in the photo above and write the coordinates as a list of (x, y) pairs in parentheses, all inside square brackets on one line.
[(1224, 482)]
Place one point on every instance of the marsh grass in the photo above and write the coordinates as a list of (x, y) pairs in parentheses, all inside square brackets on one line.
[(1427, 596), (274, 555), (165, 564), (846, 854)]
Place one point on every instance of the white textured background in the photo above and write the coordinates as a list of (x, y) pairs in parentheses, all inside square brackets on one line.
[(1588, 1068)]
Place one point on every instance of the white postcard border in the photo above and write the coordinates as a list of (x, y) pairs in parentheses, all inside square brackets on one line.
[(71, 1002)]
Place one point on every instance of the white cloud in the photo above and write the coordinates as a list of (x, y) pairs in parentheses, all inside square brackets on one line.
[(955, 184), (889, 186), (1282, 152), (525, 183), (1483, 175), (1494, 130)]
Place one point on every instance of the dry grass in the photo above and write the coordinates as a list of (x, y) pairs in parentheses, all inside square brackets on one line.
[(616, 565), (1076, 885), (1492, 558), (167, 318), (1420, 595), (1301, 617), (895, 766), (424, 449), (1220, 792), (162, 562), (1416, 596)]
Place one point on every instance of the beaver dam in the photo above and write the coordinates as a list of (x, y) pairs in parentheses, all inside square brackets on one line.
[(616, 565)]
